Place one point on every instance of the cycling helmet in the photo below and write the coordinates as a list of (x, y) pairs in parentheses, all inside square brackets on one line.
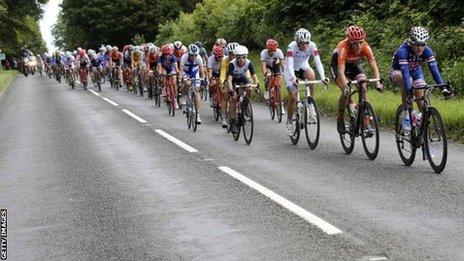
[(177, 44), (221, 41), (115, 48), (93, 56), (79, 49), (68, 53), (166, 49), (108, 48), (153, 49), (102, 49), (82, 52), (272, 45), (91, 51), (199, 44), (218, 51), (231, 47), (241, 50), (302, 35), (193, 49), (355, 33), (419, 35), (130, 47), (136, 49)]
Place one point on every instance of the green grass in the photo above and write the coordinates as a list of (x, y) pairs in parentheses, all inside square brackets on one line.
[(385, 105), (5, 78)]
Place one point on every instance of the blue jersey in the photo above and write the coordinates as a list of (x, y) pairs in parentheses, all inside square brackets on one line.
[(168, 63), (409, 64)]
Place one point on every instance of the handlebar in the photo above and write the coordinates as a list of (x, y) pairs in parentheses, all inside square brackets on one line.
[(238, 86), (369, 80)]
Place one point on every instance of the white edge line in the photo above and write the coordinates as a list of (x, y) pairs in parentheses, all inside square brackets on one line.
[(94, 92), (110, 101), (311, 218), (134, 116), (176, 141)]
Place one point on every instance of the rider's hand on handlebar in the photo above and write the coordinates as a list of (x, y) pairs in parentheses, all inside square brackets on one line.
[(346, 91), (379, 86), (257, 90), (447, 93)]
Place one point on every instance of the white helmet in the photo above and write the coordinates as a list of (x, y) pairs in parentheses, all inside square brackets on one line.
[(115, 48), (231, 47), (102, 49), (91, 51), (136, 48), (302, 35), (419, 35), (241, 50), (108, 48), (177, 44), (221, 41), (193, 49), (68, 54), (153, 49)]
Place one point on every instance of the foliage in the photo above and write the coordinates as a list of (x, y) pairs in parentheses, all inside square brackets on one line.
[(19, 26)]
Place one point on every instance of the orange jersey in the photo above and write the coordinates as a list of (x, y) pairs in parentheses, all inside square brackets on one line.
[(347, 54)]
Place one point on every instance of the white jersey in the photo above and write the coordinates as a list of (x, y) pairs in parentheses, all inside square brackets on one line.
[(265, 57), (192, 69), (297, 59), (213, 64)]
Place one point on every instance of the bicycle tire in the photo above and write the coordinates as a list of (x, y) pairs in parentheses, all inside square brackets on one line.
[(312, 138), (296, 122), (440, 129), (348, 138), (279, 107), (247, 116), (368, 111), (401, 139)]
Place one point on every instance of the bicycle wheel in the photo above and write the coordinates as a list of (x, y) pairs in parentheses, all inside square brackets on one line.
[(188, 117), (296, 126), (270, 104), (247, 112), (140, 85), (347, 139), (369, 131), (311, 123), (436, 143), (237, 120), (279, 106), (404, 143)]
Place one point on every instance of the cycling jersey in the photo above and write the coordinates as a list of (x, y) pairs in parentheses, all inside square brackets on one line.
[(127, 58), (239, 73), (179, 52), (116, 57), (69, 61), (168, 63), (272, 60), (136, 59), (214, 65), (96, 62), (191, 68), (346, 54), (298, 60), (152, 60), (409, 64)]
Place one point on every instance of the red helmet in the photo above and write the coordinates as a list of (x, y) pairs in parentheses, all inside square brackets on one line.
[(218, 51), (82, 52), (166, 49), (272, 45), (355, 33)]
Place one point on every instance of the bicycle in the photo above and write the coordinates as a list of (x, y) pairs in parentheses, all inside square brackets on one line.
[(310, 123), (83, 73), (137, 81), (114, 78), (96, 77), (215, 99), (361, 122), (154, 87), (244, 113), (70, 77), (191, 111), (427, 134), (275, 98)]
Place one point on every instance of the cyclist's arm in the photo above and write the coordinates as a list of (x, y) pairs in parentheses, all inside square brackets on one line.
[(263, 61), (371, 60), (317, 61), (341, 67), (289, 73), (253, 73), (281, 59), (230, 71), (433, 66), (402, 57)]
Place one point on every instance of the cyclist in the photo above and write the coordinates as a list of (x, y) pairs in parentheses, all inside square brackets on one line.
[(214, 67), (191, 66), (204, 55), (167, 63), (223, 77), (152, 62), (116, 60), (346, 64), (127, 71), (298, 53), (406, 69), (70, 64), (237, 74), (83, 61), (272, 61)]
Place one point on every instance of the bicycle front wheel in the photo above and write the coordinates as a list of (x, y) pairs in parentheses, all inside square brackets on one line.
[(404, 142), (311, 123), (296, 126), (247, 112), (347, 138), (436, 144), (369, 131)]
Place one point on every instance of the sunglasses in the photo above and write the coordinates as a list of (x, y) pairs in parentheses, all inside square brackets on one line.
[(219, 57), (303, 43), (240, 57), (420, 44), (357, 42)]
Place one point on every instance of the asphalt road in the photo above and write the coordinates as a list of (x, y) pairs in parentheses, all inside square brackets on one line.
[(83, 180)]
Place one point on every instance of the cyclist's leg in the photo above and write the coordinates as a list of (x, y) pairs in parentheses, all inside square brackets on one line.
[(310, 76), (418, 80)]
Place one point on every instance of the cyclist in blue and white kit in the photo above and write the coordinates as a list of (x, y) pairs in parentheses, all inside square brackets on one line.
[(237, 74), (191, 67), (406, 69)]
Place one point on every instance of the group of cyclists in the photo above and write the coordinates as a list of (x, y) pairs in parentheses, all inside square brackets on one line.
[(190, 69)]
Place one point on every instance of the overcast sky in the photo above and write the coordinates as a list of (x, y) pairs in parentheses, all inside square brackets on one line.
[(50, 16)]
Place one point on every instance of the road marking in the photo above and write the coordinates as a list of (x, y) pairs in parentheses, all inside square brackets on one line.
[(176, 141), (326, 227), (134, 116), (94, 92), (110, 101)]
